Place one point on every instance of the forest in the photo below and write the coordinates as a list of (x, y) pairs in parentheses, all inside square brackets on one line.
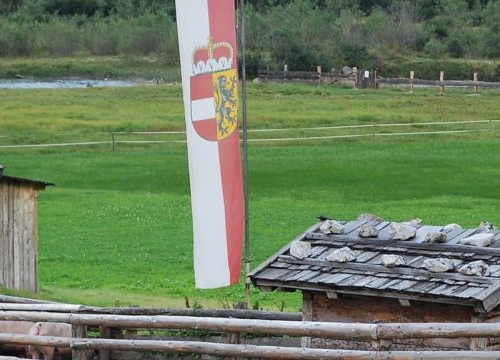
[(391, 35)]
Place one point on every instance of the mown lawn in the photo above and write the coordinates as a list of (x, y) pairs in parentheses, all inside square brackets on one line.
[(117, 225)]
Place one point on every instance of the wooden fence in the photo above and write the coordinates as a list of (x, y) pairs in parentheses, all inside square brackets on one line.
[(317, 76), (377, 333), (371, 79)]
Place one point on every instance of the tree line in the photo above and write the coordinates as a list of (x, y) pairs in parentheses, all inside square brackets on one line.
[(300, 33)]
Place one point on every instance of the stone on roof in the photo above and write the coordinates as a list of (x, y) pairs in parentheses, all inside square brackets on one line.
[(447, 264)]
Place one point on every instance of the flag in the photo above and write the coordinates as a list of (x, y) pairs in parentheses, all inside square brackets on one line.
[(208, 54)]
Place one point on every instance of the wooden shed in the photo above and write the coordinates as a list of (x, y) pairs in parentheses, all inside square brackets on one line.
[(19, 232), (349, 274)]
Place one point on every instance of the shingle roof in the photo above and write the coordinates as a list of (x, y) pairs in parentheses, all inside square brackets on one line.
[(19, 180), (367, 275)]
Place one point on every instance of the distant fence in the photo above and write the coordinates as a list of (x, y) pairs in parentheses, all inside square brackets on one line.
[(115, 140), (317, 76), (377, 333), (370, 79)]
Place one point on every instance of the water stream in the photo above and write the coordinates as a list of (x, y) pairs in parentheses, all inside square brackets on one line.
[(62, 84)]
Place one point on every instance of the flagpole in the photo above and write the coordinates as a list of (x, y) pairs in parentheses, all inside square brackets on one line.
[(245, 149)]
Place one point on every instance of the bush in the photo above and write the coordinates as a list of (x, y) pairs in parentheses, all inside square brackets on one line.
[(60, 37), (16, 39), (103, 37)]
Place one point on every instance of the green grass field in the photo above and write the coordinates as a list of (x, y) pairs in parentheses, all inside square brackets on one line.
[(117, 225)]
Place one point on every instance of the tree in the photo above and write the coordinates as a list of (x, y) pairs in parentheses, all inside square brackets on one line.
[(9, 6)]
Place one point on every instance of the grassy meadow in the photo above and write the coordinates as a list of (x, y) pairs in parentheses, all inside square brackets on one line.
[(116, 228)]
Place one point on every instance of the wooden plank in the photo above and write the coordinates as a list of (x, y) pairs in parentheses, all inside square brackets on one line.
[(462, 235), (496, 240), (307, 275), (470, 292), (336, 278), (279, 264), (3, 237), (390, 285), (491, 297), (395, 270), (17, 240), (272, 274), (439, 290), (404, 285), (320, 278), (384, 233), (450, 290), (404, 246), (352, 227), (301, 276), (319, 251), (422, 232), (376, 284), (10, 249), (352, 280), (495, 270), (366, 256)]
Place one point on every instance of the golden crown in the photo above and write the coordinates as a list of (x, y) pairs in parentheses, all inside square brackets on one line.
[(213, 57)]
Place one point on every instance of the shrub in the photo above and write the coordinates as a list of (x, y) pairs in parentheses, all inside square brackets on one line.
[(60, 37), (102, 37), (16, 39)]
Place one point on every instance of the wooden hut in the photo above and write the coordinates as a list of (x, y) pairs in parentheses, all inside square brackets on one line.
[(349, 274), (19, 232)]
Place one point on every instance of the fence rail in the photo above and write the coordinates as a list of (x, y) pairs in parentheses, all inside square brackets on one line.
[(116, 139), (370, 79), (349, 331)]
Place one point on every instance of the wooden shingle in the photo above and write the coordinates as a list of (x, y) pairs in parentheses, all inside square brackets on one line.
[(367, 274)]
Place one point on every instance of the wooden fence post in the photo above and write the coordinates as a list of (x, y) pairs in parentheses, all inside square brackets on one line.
[(475, 84), (79, 331), (104, 333), (318, 70), (285, 70), (412, 77), (441, 80)]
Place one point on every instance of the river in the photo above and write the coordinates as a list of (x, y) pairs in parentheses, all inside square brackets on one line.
[(62, 84)]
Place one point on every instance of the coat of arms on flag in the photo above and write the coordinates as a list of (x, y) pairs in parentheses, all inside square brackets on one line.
[(214, 91)]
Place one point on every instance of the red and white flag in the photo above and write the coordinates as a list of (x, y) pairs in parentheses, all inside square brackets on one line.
[(207, 44)]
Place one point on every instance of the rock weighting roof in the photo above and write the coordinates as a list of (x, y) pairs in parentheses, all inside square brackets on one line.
[(407, 261)]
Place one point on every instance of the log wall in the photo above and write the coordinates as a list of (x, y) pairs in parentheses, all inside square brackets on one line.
[(320, 307)]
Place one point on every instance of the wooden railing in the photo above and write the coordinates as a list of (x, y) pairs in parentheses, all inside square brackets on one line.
[(376, 333)]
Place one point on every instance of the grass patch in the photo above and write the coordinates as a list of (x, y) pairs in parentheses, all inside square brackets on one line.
[(117, 225)]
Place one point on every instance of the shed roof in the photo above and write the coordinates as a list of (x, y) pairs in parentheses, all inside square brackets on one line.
[(367, 275), (18, 180)]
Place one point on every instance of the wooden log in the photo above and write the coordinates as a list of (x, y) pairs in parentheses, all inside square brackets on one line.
[(412, 77), (292, 328), (275, 352), (222, 313), (252, 351), (338, 330), (79, 331), (104, 333), (50, 307), (437, 330)]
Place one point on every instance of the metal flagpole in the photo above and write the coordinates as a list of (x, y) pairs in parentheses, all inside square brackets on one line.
[(245, 148)]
